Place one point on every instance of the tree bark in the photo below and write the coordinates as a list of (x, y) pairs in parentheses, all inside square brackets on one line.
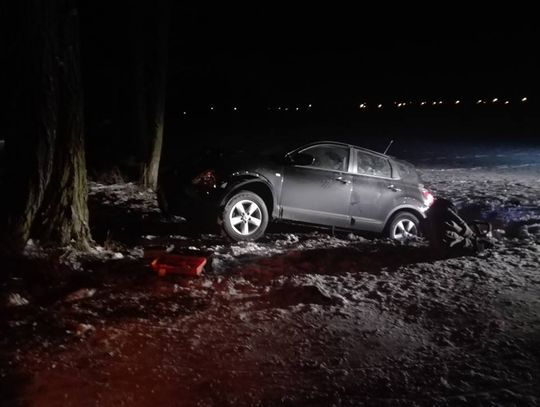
[(45, 150), (151, 81)]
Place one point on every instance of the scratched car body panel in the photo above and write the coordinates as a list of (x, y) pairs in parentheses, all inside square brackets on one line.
[(326, 184)]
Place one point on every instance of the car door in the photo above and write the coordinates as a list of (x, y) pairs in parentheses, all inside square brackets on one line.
[(374, 193), (318, 193)]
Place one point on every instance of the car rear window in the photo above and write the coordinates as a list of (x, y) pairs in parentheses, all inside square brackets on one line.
[(329, 157), (369, 164), (406, 171)]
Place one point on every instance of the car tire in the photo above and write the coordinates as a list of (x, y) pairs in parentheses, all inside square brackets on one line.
[(245, 216), (404, 226)]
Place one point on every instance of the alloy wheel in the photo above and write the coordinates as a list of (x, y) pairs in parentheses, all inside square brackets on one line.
[(405, 229), (245, 217)]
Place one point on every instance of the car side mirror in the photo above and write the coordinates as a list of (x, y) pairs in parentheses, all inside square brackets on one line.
[(302, 159)]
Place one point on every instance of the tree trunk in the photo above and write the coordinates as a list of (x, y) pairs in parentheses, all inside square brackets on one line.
[(45, 150), (151, 70), (63, 216), (139, 43)]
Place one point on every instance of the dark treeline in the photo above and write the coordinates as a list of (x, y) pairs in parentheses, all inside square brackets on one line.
[(125, 59), (45, 128), (254, 128), (45, 154)]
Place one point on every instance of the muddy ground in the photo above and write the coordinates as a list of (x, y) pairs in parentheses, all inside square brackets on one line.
[(300, 318)]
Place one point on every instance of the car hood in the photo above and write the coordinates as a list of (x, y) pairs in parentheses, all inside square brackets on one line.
[(225, 163)]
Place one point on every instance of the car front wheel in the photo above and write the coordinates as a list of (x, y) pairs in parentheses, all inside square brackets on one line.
[(245, 216), (404, 226)]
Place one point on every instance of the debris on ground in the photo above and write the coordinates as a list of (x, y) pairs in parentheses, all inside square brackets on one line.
[(178, 264), (80, 294), (16, 300)]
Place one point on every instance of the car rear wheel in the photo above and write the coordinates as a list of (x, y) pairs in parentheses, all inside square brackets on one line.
[(245, 216), (404, 226)]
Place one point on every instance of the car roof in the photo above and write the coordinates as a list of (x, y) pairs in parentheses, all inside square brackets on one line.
[(341, 144)]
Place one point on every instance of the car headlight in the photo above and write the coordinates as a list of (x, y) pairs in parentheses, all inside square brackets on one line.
[(206, 179)]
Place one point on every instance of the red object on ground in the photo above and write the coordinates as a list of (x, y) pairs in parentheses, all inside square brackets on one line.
[(178, 264)]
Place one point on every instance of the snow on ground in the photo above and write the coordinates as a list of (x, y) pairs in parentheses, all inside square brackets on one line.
[(127, 196), (298, 318), (507, 196)]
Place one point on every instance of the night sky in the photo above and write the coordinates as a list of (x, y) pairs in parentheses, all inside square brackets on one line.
[(276, 54), (282, 53), (269, 55)]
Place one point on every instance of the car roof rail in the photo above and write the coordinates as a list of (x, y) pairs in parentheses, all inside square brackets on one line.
[(339, 143)]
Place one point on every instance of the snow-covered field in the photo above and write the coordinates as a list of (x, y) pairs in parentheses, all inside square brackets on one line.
[(299, 318)]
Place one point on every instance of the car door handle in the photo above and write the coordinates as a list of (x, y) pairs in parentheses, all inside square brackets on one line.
[(392, 187), (342, 180)]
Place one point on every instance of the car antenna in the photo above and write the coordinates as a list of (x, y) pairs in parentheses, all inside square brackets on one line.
[(388, 146)]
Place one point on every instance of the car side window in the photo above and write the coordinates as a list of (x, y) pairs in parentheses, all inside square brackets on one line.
[(369, 164), (329, 157)]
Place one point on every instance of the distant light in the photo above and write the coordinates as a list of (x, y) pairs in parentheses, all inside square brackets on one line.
[(440, 102), (479, 101), (184, 113), (379, 106), (434, 103), (362, 105), (211, 107), (524, 99), (458, 102), (279, 108), (399, 104), (235, 108), (309, 106), (495, 100), (286, 108), (506, 102), (297, 108), (422, 104)]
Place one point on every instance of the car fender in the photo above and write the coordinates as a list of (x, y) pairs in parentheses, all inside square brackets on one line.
[(240, 180), (409, 204)]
